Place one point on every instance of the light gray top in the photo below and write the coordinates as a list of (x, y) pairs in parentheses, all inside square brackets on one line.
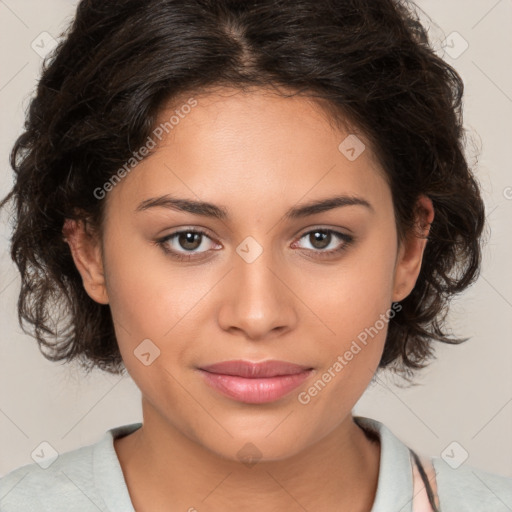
[(90, 479)]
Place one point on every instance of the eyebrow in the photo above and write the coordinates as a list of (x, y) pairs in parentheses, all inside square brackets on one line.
[(219, 212)]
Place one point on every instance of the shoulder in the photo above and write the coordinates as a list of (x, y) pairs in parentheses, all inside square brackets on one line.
[(64, 485), (465, 489), (468, 489)]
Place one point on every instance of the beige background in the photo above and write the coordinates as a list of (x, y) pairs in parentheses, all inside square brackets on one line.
[(465, 396)]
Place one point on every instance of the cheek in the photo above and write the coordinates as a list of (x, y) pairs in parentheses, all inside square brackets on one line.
[(351, 296), (148, 294), (154, 299), (353, 302)]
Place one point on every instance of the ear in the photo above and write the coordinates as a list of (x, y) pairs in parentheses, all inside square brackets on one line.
[(86, 251), (410, 254)]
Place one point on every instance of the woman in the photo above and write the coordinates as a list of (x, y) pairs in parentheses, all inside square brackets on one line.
[(251, 207)]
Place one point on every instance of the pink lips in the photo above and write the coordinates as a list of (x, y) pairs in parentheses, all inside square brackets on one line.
[(250, 382)]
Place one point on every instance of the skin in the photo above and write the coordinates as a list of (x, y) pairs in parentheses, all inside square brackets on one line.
[(256, 154)]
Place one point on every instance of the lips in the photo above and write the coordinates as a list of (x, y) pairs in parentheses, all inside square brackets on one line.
[(250, 370), (255, 383)]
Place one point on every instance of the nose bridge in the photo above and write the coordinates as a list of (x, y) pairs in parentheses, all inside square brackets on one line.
[(259, 287), (257, 301), (253, 269)]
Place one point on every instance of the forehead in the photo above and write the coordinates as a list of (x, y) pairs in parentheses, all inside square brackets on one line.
[(249, 149)]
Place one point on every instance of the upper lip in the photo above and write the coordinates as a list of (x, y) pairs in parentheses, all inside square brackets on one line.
[(254, 370)]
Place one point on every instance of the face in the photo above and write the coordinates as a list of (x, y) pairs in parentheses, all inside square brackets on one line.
[(253, 282)]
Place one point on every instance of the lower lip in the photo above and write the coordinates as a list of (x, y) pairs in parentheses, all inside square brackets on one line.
[(255, 391)]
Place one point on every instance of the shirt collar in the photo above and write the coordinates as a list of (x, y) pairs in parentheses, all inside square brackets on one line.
[(394, 485)]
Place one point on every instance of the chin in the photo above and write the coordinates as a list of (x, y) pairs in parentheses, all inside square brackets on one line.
[(257, 449)]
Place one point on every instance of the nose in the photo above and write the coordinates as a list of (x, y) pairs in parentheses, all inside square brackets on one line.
[(256, 299)]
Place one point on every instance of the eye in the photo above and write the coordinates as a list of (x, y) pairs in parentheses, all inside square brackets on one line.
[(322, 239), (184, 245)]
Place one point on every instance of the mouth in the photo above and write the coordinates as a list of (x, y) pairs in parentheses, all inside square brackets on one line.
[(252, 382)]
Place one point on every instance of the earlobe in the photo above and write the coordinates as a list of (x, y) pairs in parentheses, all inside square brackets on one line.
[(411, 251), (85, 249)]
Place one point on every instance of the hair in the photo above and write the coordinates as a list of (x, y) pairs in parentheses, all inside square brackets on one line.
[(366, 62)]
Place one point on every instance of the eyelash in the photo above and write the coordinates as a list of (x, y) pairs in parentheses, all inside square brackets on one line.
[(347, 239)]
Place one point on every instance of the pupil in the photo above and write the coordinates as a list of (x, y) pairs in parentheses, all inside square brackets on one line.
[(189, 238), (321, 236)]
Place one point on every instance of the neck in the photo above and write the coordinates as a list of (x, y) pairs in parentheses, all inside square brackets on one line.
[(161, 465)]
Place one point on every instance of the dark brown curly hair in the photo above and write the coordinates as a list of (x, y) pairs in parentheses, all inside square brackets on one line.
[(120, 62)]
